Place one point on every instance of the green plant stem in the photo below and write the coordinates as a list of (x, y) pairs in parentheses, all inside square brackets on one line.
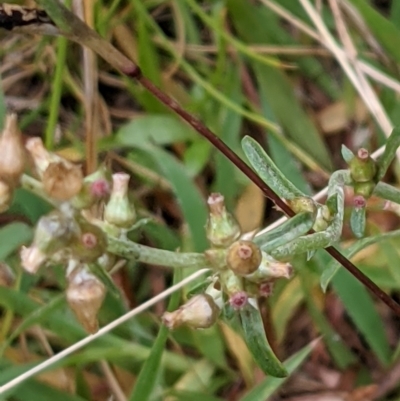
[(154, 256), (31, 184), (56, 91)]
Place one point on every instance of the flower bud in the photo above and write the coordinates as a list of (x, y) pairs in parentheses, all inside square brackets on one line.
[(85, 295), (243, 257), (96, 187), (6, 195), (302, 204), (362, 166), (359, 202), (12, 152), (222, 229), (238, 300), (62, 180), (90, 243), (364, 189), (266, 289), (270, 268), (200, 312), (119, 212)]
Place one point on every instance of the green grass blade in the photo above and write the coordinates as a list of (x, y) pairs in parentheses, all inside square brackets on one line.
[(334, 266), (268, 386), (362, 310), (148, 376), (388, 155)]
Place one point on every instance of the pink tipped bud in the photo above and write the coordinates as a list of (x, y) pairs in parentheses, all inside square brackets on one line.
[(363, 154), (270, 268), (266, 289), (12, 152), (222, 228), (119, 211), (6, 194), (243, 257), (85, 295), (238, 300), (359, 202), (200, 312), (96, 187)]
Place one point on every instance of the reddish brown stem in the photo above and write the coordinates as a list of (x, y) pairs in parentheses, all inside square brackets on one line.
[(241, 165)]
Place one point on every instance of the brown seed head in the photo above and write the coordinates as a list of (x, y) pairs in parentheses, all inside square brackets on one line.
[(243, 257)]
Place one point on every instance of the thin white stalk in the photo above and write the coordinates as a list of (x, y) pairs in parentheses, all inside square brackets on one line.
[(367, 94), (68, 351)]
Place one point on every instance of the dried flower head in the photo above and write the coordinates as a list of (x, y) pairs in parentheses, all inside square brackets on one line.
[(200, 312), (62, 180), (85, 295), (12, 152)]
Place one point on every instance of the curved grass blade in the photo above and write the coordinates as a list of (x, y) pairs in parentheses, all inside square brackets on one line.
[(268, 171), (254, 335), (334, 266), (266, 388)]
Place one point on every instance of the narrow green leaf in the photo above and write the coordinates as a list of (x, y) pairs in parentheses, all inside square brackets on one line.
[(254, 335), (12, 237), (148, 376), (268, 386), (160, 129), (267, 170), (336, 346), (358, 221), (361, 308), (334, 266), (388, 155), (381, 27), (347, 154), (286, 232)]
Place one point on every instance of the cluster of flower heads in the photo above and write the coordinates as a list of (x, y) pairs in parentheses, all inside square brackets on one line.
[(71, 234), (242, 272), (75, 237)]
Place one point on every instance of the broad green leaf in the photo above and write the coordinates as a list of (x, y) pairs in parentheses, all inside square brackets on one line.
[(161, 129), (29, 205), (12, 237), (360, 307), (268, 386), (352, 250)]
